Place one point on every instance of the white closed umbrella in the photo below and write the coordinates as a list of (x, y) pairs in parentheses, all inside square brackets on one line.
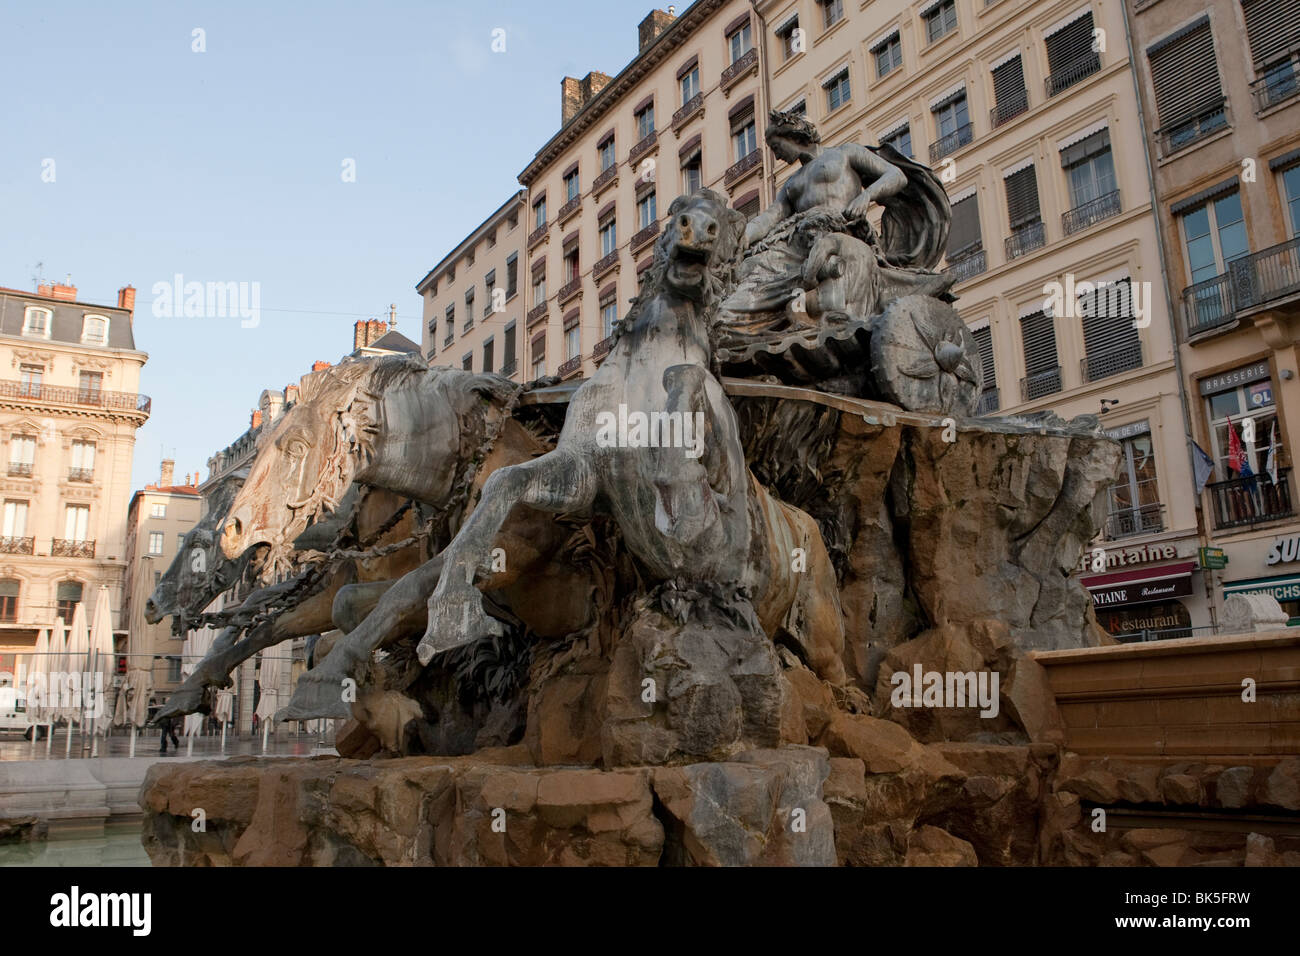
[(268, 681), (38, 672), (102, 659), (78, 651)]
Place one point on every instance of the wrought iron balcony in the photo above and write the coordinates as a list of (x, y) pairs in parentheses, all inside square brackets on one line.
[(1040, 384), (509, 368), (469, 324), (451, 337), (605, 263), (1072, 73), (535, 313), (17, 545), (538, 234), (688, 109), (952, 142), (1128, 522), (742, 166), (738, 69), (20, 469), (62, 548), (1090, 213), (1241, 502), (989, 402), (570, 366), (1026, 239), (81, 474), (569, 208), (640, 149), (1010, 108), (602, 348), (968, 265), (1099, 365), (65, 395), (1265, 276), (606, 177), (647, 234), (1278, 84), (1207, 120), (570, 289)]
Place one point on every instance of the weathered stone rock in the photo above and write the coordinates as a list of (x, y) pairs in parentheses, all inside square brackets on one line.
[(1181, 789), (1232, 787), (930, 846), (1138, 784), (1282, 787), (1092, 784), (882, 745), (23, 830), (1260, 851)]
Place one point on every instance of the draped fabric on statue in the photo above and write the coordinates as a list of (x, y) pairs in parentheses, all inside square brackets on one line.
[(914, 227)]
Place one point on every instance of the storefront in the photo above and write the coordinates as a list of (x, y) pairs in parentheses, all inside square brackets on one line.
[(1284, 587), (1146, 603)]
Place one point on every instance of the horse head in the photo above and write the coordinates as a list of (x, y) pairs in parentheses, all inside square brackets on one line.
[(699, 249)]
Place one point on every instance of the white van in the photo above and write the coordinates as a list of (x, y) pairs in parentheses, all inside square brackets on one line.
[(13, 715)]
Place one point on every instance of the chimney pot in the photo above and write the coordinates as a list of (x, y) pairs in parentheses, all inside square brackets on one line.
[(655, 23), (319, 365), (126, 298), (166, 472)]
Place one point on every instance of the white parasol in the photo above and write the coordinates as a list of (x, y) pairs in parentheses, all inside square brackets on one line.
[(268, 680), (38, 673), (76, 662), (102, 657)]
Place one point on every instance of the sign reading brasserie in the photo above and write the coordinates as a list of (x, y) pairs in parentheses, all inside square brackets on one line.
[(1123, 557), (1238, 376)]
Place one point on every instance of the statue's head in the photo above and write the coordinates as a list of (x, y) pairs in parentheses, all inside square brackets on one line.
[(789, 134), (698, 250)]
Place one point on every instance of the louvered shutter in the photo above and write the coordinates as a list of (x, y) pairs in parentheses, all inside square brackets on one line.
[(1039, 337), (1009, 83), (1022, 197), (1109, 338), (1273, 27), (984, 343), (1184, 73), (1070, 43), (964, 235), (1094, 145)]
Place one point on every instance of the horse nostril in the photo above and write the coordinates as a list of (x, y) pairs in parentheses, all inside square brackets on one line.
[(684, 222), (233, 528), (713, 229)]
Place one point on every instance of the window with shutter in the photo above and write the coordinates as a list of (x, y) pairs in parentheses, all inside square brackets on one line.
[(1070, 57), (508, 351), (1110, 341), (900, 139), (1022, 198), (1273, 28), (964, 235), (1185, 77), (1009, 91), (984, 345), (1042, 368)]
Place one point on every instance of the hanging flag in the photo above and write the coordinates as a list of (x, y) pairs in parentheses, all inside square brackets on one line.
[(1236, 454), (1203, 467), (1272, 453)]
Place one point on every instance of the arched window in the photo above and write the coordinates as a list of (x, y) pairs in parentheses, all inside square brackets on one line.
[(36, 322), (68, 597), (9, 589), (94, 330)]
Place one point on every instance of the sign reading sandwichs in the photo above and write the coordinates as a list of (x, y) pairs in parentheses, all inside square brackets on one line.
[(1124, 557)]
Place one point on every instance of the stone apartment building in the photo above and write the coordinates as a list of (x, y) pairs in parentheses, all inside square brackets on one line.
[(1221, 97), (157, 520), (69, 410)]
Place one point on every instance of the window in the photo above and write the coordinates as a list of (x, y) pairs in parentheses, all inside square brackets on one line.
[(572, 270), (180, 542), (1070, 57), (489, 286), (645, 122), (1009, 92), (646, 214), (1022, 198), (155, 542), (67, 597), (1214, 234), (9, 589), (173, 669), (888, 54), (606, 150), (451, 323), (94, 330), (89, 386), (984, 345), (608, 235), (76, 523), (690, 84), (573, 341), (790, 46), (83, 460), (1252, 400), (1134, 499), (1273, 27), (158, 510), (1185, 78), (572, 188), (30, 378), (940, 20), (749, 208), (1110, 340), (1042, 369), (487, 356), (15, 519), (964, 236), (539, 213), (952, 120), (832, 12), (837, 91), (467, 361), (608, 316), (1089, 169), (900, 139), (744, 137), (539, 287), (469, 308), (692, 179), (1290, 179), (36, 322), (508, 351), (512, 275), (539, 356), (740, 42), (22, 454)]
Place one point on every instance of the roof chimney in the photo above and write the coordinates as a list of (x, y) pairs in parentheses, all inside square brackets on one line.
[(255, 419), (655, 23), (166, 472), (319, 365), (575, 93), (126, 298), (54, 290)]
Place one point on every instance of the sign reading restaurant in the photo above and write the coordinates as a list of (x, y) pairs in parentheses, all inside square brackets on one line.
[(1123, 557), (1138, 593)]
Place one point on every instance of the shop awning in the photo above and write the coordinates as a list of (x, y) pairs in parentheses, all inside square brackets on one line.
[(1140, 585)]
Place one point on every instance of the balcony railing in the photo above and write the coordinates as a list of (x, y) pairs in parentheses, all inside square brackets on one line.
[(1128, 522), (737, 69), (569, 208), (605, 178), (62, 548), (81, 474), (469, 324), (1013, 106), (688, 109), (1278, 83), (1090, 213), (952, 142), (1099, 365), (1250, 501), (1026, 239), (1207, 120), (647, 234), (509, 368), (538, 234), (640, 149), (602, 348), (989, 402), (742, 166), (1253, 280), (17, 545), (605, 263), (570, 289), (451, 337), (570, 366), (1040, 384), (969, 265), (20, 469), (535, 313), (66, 395), (1072, 73)]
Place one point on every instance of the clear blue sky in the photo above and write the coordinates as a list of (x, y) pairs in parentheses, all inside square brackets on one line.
[(225, 166)]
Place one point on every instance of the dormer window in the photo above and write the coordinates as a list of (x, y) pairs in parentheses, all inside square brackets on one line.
[(94, 330), (36, 322)]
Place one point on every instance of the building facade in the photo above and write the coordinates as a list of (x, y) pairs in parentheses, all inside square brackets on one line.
[(1220, 92), (69, 410), (157, 520)]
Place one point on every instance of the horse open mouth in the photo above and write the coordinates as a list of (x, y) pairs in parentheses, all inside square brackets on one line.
[(688, 264)]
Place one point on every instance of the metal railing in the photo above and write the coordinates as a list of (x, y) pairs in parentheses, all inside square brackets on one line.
[(569, 289), (1272, 273), (535, 313), (743, 165), (646, 144), (1009, 108), (952, 142), (605, 178), (569, 366), (1040, 384), (1026, 239), (1099, 365), (1072, 73), (1090, 213), (989, 402), (1207, 120), (18, 545), (81, 474), (509, 368), (20, 469), (1250, 501), (648, 234), (66, 395), (737, 69), (688, 109), (569, 208), (1279, 83), (1129, 522), (63, 548), (602, 348), (605, 263), (969, 265), (538, 234)]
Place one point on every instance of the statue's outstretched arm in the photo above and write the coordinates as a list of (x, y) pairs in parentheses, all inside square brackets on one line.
[(883, 179)]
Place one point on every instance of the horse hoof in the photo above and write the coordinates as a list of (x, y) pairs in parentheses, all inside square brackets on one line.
[(454, 623)]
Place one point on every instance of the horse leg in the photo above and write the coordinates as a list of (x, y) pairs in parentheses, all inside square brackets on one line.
[(188, 698), (559, 482), (355, 601)]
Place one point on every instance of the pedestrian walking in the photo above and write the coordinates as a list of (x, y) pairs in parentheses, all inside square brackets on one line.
[(169, 730)]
